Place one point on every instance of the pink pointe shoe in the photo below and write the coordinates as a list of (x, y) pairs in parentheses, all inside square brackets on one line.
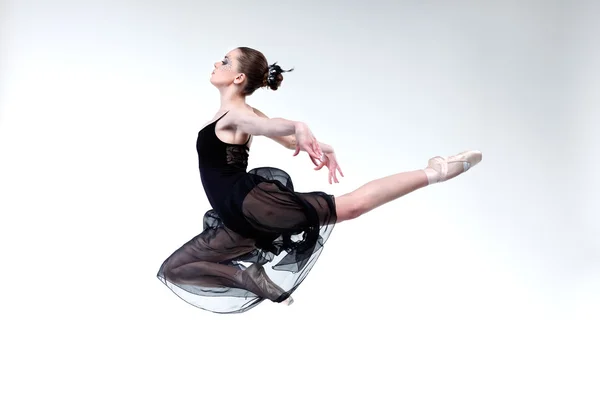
[(288, 302), (441, 169)]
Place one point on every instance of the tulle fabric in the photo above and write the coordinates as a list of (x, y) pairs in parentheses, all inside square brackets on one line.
[(278, 233)]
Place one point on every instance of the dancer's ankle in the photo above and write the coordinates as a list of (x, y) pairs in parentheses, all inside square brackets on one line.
[(433, 176)]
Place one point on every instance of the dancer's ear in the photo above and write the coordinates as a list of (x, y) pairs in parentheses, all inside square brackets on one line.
[(240, 79)]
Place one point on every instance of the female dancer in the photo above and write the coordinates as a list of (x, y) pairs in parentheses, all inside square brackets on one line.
[(261, 238)]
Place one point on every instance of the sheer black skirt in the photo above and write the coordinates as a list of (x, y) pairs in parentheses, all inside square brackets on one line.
[(261, 247)]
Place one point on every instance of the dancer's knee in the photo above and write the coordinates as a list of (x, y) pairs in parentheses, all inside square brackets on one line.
[(349, 207), (171, 272)]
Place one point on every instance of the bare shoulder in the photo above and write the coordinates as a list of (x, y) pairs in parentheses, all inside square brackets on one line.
[(259, 113), (231, 119), (237, 116), (241, 116), (246, 121), (228, 129)]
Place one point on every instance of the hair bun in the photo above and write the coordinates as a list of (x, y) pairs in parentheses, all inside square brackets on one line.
[(273, 76)]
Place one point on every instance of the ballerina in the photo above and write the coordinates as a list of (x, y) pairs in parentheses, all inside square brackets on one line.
[(261, 238)]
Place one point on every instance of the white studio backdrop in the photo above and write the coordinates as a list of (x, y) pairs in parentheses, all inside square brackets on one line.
[(485, 287)]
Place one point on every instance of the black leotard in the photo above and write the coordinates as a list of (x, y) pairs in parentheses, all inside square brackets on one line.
[(256, 217)]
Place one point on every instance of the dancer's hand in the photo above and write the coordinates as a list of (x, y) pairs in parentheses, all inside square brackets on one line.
[(305, 140), (329, 159)]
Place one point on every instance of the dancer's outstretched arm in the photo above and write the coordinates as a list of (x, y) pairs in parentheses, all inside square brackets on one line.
[(274, 127), (329, 158)]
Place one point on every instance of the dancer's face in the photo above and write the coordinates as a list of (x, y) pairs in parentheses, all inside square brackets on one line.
[(226, 71)]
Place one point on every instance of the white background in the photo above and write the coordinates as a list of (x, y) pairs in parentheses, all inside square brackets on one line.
[(486, 287)]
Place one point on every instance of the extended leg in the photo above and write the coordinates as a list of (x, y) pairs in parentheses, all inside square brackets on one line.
[(384, 190)]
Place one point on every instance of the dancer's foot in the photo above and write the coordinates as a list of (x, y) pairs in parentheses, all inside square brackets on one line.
[(440, 169), (259, 283)]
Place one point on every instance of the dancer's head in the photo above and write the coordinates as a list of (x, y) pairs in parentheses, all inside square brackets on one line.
[(245, 70)]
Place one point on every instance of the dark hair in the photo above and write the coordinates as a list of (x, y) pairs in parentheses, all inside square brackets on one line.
[(258, 72)]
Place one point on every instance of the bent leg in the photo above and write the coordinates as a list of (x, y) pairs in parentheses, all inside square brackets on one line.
[(202, 262), (212, 275)]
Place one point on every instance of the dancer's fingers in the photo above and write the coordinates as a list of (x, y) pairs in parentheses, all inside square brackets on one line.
[(317, 149), (314, 160)]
